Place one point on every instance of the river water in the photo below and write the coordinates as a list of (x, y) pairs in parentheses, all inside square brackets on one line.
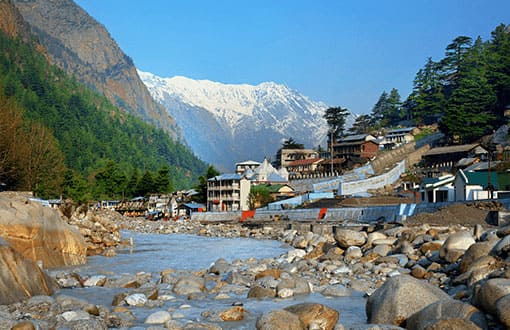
[(153, 253)]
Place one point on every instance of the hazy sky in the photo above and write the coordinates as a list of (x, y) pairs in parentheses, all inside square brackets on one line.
[(341, 52)]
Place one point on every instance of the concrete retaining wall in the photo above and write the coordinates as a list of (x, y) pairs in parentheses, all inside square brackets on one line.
[(352, 214)]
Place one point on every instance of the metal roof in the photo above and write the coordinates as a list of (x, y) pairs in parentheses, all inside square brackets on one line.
[(450, 149)]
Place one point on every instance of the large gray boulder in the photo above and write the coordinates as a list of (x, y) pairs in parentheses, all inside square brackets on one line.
[(455, 245), (442, 310), (486, 295), (503, 310), (400, 297)]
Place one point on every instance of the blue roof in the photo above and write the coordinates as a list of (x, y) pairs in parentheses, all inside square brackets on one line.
[(194, 205), (227, 176)]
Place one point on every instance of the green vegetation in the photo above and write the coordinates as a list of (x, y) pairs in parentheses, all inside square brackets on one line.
[(100, 150), (259, 196)]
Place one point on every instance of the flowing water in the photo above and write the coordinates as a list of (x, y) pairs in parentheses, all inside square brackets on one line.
[(153, 253)]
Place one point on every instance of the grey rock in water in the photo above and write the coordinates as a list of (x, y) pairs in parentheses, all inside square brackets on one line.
[(400, 297)]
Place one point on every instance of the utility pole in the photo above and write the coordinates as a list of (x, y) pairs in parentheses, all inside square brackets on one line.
[(331, 152)]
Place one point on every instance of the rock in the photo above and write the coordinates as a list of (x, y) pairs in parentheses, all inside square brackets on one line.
[(24, 325), (295, 254), (71, 316), (259, 292), (313, 315), (186, 285), (373, 327), (503, 310), (419, 272), (96, 280), (455, 245), (400, 297), (279, 320), (447, 309), (453, 324), (285, 293), (20, 278), (382, 250), (348, 237), (502, 247), (474, 252), (374, 236), (317, 251), (336, 291), (431, 246), (235, 313), (136, 299), (274, 272), (220, 266), (353, 252), (486, 295), (38, 233), (159, 317)]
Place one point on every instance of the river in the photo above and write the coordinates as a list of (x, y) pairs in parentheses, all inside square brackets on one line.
[(153, 253)]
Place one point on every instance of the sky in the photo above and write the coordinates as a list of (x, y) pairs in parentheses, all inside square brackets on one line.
[(340, 52)]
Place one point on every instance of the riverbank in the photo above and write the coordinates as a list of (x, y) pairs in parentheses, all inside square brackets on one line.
[(469, 265)]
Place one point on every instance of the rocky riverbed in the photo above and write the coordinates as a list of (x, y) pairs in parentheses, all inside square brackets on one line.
[(415, 276)]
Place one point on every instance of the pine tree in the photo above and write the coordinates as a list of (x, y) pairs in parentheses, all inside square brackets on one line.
[(335, 117), (469, 111)]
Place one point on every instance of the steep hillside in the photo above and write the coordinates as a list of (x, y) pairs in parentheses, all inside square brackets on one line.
[(225, 123), (82, 47)]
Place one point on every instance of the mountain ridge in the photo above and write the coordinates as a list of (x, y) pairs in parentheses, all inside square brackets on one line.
[(82, 47), (245, 121)]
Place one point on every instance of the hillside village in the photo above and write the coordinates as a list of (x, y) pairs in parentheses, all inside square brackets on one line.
[(400, 162)]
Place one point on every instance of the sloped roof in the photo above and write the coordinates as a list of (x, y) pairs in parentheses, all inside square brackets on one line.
[(481, 166), (226, 176), (437, 182), (450, 149), (301, 162), (357, 137), (248, 162)]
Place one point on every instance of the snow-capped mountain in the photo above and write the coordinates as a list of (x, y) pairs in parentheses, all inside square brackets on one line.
[(225, 123)]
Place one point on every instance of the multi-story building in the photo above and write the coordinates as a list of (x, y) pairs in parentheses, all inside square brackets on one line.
[(355, 146), (286, 156), (243, 166), (228, 192)]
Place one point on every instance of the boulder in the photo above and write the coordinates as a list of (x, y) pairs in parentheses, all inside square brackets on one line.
[(38, 233), (159, 317), (486, 295), (220, 266), (20, 278), (439, 311), (315, 316), (274, 272), (475, 252), (502, 247), (503, 310), (400, 297), (348, 237), (260, 292), (189, 284), (279, 320), (455, 245)]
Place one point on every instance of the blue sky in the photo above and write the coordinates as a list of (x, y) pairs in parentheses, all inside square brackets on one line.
[(341, 52)]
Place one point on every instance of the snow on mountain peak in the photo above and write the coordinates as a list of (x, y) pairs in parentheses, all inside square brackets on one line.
[(242, 121)]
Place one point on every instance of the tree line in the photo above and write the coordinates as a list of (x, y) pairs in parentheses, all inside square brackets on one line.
[(58, 137)]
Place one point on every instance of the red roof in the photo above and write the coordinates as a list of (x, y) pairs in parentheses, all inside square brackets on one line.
[(301, 162)]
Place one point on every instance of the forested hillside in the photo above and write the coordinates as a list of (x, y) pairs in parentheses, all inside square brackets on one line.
[(102, 147)]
